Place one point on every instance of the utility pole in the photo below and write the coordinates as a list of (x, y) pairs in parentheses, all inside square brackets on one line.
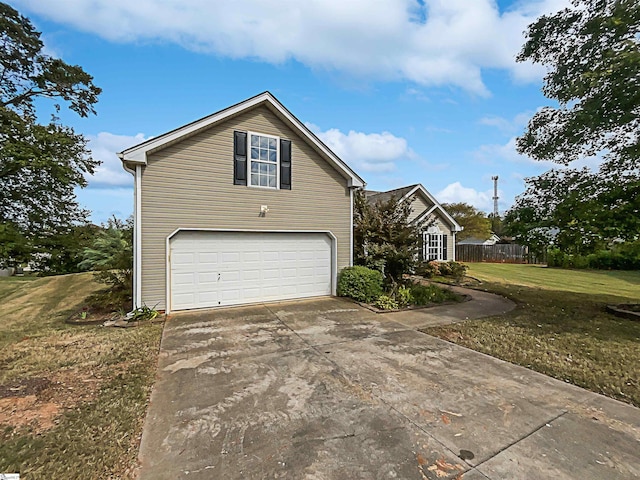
[(495, 196)]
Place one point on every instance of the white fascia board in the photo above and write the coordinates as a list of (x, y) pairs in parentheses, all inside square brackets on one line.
[(138, 153)]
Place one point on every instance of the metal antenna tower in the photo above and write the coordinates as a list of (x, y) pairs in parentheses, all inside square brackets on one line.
[(495, 196)]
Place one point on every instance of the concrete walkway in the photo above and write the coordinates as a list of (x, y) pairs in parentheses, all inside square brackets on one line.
[(482, 304), (325, 389)]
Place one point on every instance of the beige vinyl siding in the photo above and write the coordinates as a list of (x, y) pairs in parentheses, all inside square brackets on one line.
[(418, 207), (190, 185)]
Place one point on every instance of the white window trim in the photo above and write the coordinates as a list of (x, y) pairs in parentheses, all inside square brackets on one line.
[(249, 160), (426, 244)]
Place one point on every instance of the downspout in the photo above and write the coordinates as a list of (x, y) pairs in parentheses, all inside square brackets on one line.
[(137, 278)]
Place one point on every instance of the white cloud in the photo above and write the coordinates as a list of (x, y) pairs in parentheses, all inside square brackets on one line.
[(104, 147), (443, 42), (455, 192), (371, 152), (505, 125)]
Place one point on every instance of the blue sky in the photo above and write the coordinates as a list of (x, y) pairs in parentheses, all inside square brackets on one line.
[(405, 91)]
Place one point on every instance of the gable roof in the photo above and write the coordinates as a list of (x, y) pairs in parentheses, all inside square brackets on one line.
[(406, 192), (138, 153), (373, 197)]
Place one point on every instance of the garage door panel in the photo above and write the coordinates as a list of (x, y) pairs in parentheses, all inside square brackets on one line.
[(229, 268)]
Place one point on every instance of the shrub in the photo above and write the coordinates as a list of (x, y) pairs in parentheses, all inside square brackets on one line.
[(445, 269), (428, 269), (426, 294), (458, 270), (624, 256), (385, 302), (360, 283), (404, 297)]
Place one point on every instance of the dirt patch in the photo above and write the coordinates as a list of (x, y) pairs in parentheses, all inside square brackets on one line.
[(36, 403)]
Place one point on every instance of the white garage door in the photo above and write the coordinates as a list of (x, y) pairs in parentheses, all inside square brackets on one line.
[(210, 269)]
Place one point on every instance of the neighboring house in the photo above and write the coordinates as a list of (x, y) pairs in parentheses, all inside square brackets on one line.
[(245, 205), (492, 240), (439, 238)]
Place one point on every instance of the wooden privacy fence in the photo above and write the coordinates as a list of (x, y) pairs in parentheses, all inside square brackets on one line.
[(499, 253)]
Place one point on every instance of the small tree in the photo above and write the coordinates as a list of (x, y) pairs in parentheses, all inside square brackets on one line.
[(384, 238), (111, 256)]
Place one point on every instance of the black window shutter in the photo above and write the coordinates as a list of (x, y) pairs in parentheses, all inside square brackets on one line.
[(444, 247), (240, 158), (285, 164)]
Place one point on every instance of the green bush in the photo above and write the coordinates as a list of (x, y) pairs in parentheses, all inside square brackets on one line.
[(458, 270), (624, 256), (404, 297), (360, 283), (385, 302), (426, 294), (445, 269)]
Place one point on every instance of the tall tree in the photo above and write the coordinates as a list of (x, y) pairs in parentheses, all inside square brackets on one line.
[(40, 164), (592, 53), (475, 222)]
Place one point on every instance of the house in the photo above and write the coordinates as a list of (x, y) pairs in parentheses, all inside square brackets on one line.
[(245, 205), (492, 240), (439, 238)]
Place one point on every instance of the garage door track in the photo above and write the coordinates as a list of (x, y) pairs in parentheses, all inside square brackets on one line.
[(324, 389)]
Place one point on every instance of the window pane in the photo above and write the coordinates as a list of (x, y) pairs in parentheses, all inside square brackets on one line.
[(272, 182), (254, 154), (263, 154), (272, 169), (254, 140), (254, 179), (264, 142), (264, 168), (255, 167), (272, 143), (272, 156), (263, 181)]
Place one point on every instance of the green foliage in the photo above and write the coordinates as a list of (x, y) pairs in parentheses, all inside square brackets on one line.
[(40, 165), (111, 256), (428, 269), (455, 270), (475, 222), (625, 256), (577, 211), (142, 313), (427, 294), (592, 53), (386, 302), (360, 283), (61, 253), (404, 296), (384, 239), (458, 270)]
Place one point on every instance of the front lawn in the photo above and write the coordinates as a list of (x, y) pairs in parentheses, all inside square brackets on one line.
[(560, 326), (72, 398)]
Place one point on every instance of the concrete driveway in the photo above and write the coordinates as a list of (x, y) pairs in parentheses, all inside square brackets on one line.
[(324, 389)]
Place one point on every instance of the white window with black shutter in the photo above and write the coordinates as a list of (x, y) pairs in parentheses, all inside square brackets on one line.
[(434, 244), (262, 160)]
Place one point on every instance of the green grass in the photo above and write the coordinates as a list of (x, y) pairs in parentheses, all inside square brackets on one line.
[(86, 418), (560, 326), (625, 284)]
